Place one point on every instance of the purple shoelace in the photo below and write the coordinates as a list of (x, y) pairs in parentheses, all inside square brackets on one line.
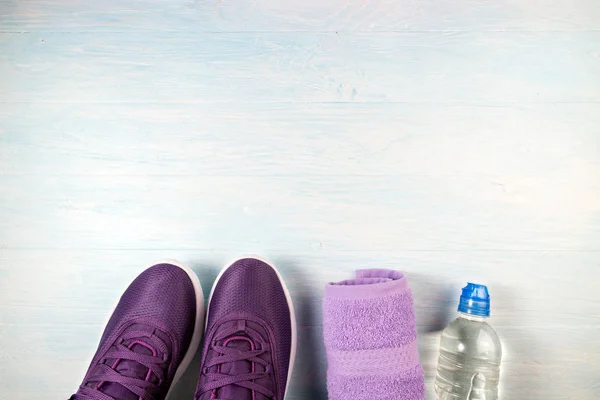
[(218, 380), (106, 373)]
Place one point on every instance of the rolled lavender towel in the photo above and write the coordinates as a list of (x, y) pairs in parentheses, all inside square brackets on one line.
[(371, 338)]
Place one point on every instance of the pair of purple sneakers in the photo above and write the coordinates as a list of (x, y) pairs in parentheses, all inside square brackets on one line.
[(156, 329)]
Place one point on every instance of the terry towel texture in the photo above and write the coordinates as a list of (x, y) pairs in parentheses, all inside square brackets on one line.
[(371, 338)]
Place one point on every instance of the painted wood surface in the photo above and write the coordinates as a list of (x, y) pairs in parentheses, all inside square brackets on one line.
[(452, 140)]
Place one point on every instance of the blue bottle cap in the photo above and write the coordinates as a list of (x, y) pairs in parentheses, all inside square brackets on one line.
[(475, 300)]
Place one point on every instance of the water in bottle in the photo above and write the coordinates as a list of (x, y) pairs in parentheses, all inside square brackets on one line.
[(470, 351)]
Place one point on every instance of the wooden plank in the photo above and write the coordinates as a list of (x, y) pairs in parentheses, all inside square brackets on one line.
[(299, 213), (68, 294), (264, 15), (534, 373), (46, 288), (477, 68), (511, 146)]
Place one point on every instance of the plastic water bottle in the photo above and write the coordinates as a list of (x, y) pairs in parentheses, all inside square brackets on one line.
[(470, 351)]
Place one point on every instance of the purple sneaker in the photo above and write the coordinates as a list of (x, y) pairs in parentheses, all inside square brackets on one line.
[(250, 337), (150, 338)]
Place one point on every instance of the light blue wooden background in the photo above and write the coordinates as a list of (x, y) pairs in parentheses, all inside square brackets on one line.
[(454, 140)]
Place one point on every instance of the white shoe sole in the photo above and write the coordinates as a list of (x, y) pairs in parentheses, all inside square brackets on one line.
[(290, 304)]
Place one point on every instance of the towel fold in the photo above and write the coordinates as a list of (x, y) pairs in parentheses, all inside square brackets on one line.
[(371, 338)]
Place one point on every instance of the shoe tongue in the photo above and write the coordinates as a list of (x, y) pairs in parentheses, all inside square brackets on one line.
[(131, 369), (241, 342)]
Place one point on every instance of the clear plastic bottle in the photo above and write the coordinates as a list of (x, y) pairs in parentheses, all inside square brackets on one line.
[(470, 351)]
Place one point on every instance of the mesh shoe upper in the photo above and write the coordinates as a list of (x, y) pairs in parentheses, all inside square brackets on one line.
[(145, 339), (246, 353)]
